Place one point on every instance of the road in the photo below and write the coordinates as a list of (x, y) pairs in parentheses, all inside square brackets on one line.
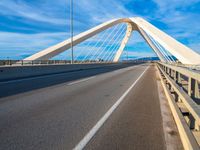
[(118, 109)]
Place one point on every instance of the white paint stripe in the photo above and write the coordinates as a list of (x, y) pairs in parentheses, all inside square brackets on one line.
[(125, 69), (95, 128), (82, 80)]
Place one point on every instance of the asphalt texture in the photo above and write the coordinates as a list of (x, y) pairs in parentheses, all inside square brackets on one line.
[(59, 112), (13, 87), (136, 123)]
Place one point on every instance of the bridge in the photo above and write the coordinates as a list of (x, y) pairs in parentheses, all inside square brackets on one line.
[(99, 101)]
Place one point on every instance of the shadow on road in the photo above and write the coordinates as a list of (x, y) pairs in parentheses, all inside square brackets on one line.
[(20, 86)]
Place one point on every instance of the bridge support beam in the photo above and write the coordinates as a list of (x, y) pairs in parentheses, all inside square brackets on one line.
[(123, 43), (184, 54), (150, 43)]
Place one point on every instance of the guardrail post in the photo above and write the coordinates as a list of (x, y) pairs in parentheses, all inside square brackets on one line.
[(191, 87), (173, 74), (196, 90), (178, 77), (167, 70), (170, 72), (193, 123)]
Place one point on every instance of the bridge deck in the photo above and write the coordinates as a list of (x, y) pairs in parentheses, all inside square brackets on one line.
[(137, 123), (59, 116)]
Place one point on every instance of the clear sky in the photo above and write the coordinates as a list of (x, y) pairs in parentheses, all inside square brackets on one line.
[(28, 26)]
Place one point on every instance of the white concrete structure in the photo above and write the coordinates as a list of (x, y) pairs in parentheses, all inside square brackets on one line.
[(184, 54)]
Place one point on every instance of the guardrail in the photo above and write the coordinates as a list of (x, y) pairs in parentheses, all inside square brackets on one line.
[(191, 67), (182, 87), (52, 62), (38, 62)]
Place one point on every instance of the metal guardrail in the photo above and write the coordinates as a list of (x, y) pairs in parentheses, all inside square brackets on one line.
[(190, 67), (184, 75), (51, 62), (31, 62), (183, 85)]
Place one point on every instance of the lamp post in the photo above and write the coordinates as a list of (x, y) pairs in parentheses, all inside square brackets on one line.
[(127, 56), (71, 30)]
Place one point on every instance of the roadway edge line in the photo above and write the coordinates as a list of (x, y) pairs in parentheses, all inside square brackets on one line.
[(103, 119)]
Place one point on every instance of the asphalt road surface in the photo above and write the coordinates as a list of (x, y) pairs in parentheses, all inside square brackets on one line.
[(108, 108)]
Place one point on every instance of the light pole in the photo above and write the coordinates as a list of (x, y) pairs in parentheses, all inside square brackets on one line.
[(127, 56), (71, 30)]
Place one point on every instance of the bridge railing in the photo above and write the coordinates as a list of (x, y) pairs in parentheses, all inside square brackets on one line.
[(183, 85), (190, 67), (53, 62), (31, 62), (43, 62)]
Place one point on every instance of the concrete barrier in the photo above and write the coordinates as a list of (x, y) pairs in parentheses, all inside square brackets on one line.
[(18, 72)]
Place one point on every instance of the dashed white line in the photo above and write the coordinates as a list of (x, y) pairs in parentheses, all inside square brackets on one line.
[(98, 125)]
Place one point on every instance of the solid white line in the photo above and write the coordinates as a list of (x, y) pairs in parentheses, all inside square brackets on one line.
[(97, 126), (82, 80)]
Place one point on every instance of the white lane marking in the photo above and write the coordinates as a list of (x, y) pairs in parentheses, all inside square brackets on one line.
[(82, 80), (98, 125)]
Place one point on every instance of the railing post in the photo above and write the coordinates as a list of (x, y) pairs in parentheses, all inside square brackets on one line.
[(196, 90), (180, 79), (177, 77), (191, 87), (168, 70), (174, 74)]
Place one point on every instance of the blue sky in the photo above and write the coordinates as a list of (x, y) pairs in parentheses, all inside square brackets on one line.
[(28, 26)]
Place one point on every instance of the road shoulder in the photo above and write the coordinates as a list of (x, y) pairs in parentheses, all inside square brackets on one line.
[(172, 137)]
